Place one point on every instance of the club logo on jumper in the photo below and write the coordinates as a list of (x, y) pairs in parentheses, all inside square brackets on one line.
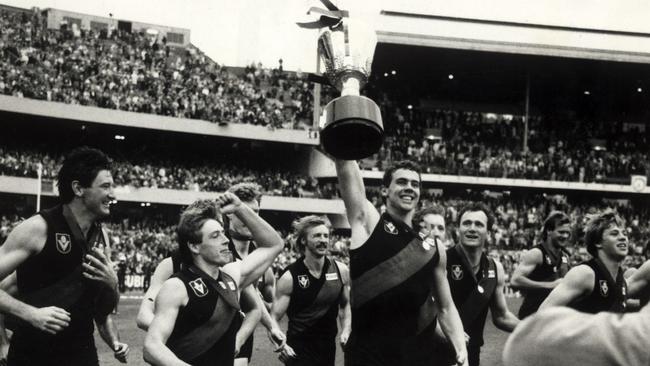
[(232, 286), (604, 288), (199, 288), (548, 260), (623, 291), (564, 259), (303, 281), (491, 273), (63, 243), (456, 272), (390, 228)]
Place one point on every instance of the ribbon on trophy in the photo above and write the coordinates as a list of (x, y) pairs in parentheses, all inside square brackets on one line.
[(331, 17)]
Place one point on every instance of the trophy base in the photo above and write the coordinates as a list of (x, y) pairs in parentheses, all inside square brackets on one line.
[(353, 128)]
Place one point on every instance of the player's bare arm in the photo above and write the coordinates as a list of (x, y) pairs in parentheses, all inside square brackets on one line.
[(283, 292), (268, 288), (170, 299), (502, 317), (162, 272), (252, 308), (9, 286), (345, 311), (638, 282), (269, 243), (108, 331), (362, 215), (529, 261), (577, 284), (448, 316), (25, 240)]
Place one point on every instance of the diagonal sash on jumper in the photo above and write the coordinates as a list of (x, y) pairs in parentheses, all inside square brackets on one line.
[(68, 290), (202, 338), (476, 301), (327, 294), (391, 272)]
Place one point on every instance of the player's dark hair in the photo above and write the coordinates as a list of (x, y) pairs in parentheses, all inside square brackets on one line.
[(190, 224), (432, 210), (81, 164), (404, 164), (477, 206), (595, 227), (246, 192), (554, 220)]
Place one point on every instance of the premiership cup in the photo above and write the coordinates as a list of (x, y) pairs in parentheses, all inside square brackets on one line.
[(353, 127)]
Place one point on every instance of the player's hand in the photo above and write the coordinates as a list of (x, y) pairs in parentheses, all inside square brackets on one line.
[(461, 358), (238, 343), (98, 268), (287, 353), (49, 320), (4, 350), (278, 338), (120, 351), (345, 335), (228, 202)]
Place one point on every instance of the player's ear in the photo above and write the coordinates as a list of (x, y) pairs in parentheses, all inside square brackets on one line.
[(77, 189), (193, 247)]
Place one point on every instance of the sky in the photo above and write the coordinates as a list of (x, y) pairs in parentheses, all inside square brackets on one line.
[(243, 31)]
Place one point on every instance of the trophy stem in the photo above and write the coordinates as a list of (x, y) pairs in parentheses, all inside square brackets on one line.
[(350, 86)]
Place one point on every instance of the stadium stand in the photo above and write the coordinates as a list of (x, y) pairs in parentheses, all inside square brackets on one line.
[(132, 71)]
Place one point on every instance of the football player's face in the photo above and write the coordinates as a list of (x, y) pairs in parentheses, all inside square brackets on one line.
[(317, 240), (213, 248), (433, 225)]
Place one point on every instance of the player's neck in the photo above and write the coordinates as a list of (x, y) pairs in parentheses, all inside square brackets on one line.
[(84, 218), (473, 254), (241, 246), (404, 216), (552, 248), (612, 265), (210, 269), (314, 263)]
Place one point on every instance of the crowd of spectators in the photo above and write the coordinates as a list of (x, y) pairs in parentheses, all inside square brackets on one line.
[(142, 72), (181, 175), (488, 145)]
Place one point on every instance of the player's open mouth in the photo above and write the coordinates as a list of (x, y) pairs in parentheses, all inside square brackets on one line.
[(407, 198)]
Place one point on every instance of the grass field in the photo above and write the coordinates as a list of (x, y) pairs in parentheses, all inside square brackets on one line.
[(263, 352)]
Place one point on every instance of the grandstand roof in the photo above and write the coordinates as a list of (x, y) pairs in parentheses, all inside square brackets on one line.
[(500, 79)]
